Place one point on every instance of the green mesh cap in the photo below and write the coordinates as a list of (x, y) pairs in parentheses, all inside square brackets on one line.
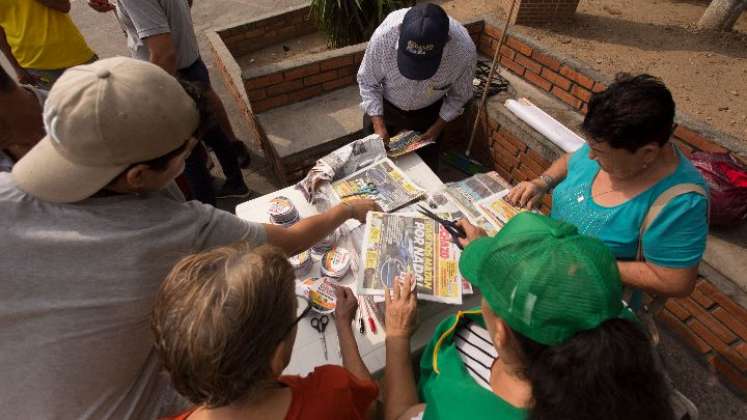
[(544, 279)]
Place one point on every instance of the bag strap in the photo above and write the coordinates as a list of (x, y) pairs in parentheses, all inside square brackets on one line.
[(657, 303), (658, 205)]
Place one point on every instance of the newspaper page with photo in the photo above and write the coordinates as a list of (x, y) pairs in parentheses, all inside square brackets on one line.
[(406, 142), (398, 245), (393, 188), (465, 193), (497, 210)]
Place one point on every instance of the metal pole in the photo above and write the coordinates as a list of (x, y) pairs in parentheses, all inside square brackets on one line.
[(484, 98)]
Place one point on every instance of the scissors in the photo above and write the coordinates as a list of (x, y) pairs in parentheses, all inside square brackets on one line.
[(320, 324), (368, 189), (454, 229)]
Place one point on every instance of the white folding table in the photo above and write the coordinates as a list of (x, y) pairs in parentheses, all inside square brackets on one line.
[(307, 352)]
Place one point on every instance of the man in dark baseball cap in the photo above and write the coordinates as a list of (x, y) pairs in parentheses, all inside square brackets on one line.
[(416, 75), (422, 37)]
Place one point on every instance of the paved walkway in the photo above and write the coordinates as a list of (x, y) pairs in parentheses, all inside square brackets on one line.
[(105, 36)]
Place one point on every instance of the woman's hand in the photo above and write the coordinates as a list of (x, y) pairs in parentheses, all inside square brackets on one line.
[(473, 232), (345, 306), (527, 194), (401, 307), (359, 208)]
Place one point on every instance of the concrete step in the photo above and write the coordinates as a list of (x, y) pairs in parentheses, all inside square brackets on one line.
[(302, 132)]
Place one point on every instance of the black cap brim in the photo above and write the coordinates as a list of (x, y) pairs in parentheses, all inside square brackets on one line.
[(418, 68)]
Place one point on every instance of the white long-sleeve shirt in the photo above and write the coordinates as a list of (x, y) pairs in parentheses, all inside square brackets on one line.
[(379, 77)]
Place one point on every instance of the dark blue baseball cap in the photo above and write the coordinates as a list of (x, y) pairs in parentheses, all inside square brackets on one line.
[(422, 37)]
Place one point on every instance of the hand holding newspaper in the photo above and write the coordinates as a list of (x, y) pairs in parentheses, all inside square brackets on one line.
[(406, 142), (398, 244)]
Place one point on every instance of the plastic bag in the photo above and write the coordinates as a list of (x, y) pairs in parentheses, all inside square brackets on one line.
[(727, 182)]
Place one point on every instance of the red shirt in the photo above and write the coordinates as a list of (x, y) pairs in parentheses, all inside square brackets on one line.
[(329, 392)]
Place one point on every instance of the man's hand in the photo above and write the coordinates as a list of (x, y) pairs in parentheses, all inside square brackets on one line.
[(473, 232), (101, 6), (401, 307), (26, 78), (380, 128), (434, 131), (527, 194), (346, 305), (360, 208)]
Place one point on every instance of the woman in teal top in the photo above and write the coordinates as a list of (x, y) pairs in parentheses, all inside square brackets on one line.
[(551, 339), (607, 187)]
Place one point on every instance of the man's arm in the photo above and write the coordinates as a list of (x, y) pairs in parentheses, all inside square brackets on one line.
[(370, 84), (162, 51), (24, 77), (460, 91), (59, 5), (311, 230), (661, 281)]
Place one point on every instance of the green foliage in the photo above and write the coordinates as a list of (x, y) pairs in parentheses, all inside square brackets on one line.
[(348, 22)]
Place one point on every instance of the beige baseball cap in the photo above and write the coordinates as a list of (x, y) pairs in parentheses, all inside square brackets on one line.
[(100, 119)]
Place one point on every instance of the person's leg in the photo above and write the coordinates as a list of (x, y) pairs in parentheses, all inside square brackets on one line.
[(226, 149), (198, 177)]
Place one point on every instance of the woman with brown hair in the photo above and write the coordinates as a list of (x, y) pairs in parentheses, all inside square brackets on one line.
[(631, 188), (225, 324)]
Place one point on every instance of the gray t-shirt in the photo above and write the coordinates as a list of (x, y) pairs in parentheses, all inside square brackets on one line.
[(144, 18), (77, 282)]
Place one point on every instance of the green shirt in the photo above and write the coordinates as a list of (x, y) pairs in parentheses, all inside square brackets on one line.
[(446, 387)]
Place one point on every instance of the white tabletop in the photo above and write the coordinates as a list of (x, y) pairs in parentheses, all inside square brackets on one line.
[(307, 351)]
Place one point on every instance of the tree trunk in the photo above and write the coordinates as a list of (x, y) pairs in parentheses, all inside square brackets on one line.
[(722, 14)]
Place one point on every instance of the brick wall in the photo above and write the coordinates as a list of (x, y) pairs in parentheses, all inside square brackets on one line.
[(267, 30), (295, 83), (715, 327), (315, 75), (531, 12), (573, 83)]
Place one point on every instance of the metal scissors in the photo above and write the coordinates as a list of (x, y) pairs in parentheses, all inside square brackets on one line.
[(454, 229), (368, 189), (320, 324)]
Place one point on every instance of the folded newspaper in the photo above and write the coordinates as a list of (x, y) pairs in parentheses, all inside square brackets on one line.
[(406, 142), (341, 163), (398, 245), (393, 188)]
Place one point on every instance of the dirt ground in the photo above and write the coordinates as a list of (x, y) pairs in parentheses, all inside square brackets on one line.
[(706, 72)]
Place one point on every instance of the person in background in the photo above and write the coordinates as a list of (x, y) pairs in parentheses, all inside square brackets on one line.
[(21, 125), (551, 339), (225, 322), (608, 186), (92, 223), (161, 31), (417, 75), (40, 40)]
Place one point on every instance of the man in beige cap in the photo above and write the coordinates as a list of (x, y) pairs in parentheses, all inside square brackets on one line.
[(91, 225)]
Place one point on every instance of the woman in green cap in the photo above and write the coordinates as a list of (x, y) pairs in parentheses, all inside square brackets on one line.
[(551, 340)]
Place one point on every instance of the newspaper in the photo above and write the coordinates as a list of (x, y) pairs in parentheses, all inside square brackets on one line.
[(479, 186), (406, 142), (397, 245), (394, 188), (339, 164), (497, 210), (466, 192)]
